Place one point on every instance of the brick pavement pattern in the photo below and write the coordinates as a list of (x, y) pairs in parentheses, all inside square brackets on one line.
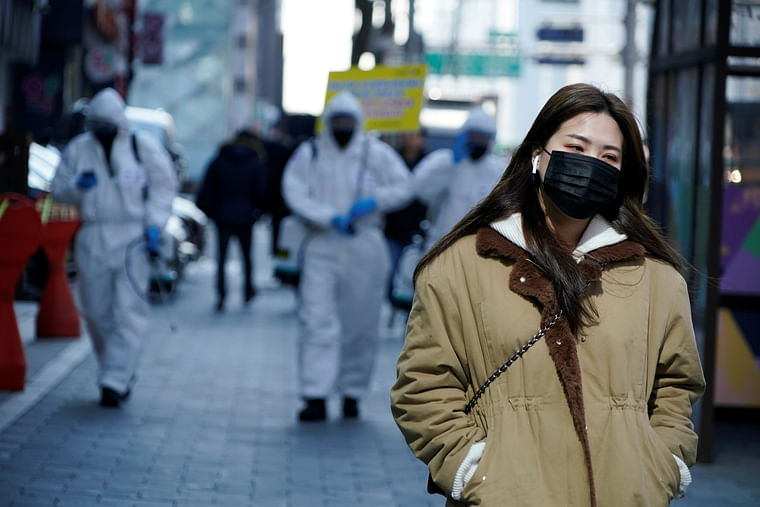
[(212, 421)]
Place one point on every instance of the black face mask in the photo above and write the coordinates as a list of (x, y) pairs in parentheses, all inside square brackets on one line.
[(342, 135), (580, 185), (476, 150), (105, 133)]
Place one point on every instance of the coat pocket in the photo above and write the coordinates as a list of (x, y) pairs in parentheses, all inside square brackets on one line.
[(471, 493), (662, 464)]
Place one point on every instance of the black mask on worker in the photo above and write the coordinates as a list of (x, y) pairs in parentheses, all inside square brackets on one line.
[(342, 135), (105, 133), (476, 150), (580, 185)]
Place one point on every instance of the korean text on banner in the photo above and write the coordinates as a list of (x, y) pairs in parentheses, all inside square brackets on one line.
[(391, 96)]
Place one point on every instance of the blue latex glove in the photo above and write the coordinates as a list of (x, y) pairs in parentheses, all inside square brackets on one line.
[(362, 207), (152, 240), (342, 224), (86, 180), (460, 147)]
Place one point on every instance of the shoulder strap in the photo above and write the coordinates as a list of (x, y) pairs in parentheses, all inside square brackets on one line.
[(136, 152), (135, 149), (517, 355)]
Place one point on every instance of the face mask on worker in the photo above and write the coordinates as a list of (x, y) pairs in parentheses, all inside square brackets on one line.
[(477, 143), (580, 185), (476, 150), (342, 135), (342, 126), (104, 131)]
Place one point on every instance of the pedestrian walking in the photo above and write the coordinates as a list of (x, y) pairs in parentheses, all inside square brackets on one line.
[(403, 225), (452, 181), (283, 138), (550, 357), (124, 187), (233, 194), (340, 184)]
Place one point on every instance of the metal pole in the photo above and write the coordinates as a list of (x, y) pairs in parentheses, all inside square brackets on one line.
[(411, 17), (454, 49), (410, 41)]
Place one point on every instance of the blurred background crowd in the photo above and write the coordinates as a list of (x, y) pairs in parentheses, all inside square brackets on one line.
[(199, 74)]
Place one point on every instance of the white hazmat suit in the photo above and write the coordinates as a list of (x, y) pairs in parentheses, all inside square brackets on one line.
[(343, 276), (128, 197), (450, 188)]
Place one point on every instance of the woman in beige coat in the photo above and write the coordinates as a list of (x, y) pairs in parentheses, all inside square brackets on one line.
[(597, 411)]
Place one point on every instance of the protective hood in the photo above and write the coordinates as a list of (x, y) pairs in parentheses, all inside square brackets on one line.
[(108, 105), (480, 121), (346, 103)]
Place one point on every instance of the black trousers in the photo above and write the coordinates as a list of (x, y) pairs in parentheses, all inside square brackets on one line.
[(243, 233)]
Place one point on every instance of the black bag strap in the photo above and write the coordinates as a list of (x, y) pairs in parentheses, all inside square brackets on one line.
[(135, 149), (517, 355), (136, 152)]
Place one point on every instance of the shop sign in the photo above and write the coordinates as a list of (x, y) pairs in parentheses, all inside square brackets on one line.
[(391, 96)]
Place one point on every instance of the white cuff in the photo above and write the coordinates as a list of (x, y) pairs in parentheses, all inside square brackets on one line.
[(685, 477), (467, 469)]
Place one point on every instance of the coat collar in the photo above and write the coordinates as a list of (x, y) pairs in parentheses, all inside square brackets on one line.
[(599, 233), (600, 246)]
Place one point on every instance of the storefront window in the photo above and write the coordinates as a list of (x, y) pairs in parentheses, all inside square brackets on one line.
[(745, 61), (737, 380), (745, 23), (740, 246), (703, 198), (680, 161), (657, 196)]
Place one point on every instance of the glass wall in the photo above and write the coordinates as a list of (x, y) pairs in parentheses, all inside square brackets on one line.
[(680, 158), (738, 346), (704, 126), (745, 23), (700, 280)]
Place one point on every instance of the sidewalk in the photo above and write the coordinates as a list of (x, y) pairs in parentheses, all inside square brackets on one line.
[(212, 421)]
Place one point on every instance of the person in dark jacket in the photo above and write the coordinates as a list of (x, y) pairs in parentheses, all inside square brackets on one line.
[(233, 194), (284, 137), (401, 226)]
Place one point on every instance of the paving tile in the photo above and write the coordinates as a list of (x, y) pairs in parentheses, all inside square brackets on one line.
[(212, 421)]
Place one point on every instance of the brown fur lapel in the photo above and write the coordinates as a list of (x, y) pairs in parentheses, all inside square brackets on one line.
[(528, 281)]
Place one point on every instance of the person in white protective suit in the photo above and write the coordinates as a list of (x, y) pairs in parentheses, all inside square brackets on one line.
[(340, 183), (124, 204), (452, 181)]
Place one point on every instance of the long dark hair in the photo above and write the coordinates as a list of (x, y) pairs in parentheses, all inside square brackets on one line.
[(517, 192)]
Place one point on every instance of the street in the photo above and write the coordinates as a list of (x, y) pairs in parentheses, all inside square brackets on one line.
[(212, 420)]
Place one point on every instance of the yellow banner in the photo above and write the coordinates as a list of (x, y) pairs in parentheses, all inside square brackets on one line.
[(391, 97)]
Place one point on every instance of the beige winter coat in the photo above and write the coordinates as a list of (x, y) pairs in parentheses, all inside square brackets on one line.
[(592, 419)]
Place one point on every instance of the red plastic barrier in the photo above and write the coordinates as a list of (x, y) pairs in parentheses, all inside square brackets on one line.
[(57, 316), (20, 233)]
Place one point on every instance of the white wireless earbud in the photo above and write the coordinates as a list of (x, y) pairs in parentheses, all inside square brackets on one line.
[(535, 164)]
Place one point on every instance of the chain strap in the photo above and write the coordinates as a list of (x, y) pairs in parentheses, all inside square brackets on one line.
[(474, 400)]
